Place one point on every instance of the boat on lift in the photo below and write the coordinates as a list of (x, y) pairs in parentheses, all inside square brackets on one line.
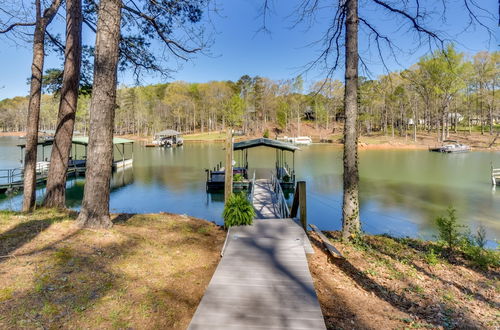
[(167, 138)]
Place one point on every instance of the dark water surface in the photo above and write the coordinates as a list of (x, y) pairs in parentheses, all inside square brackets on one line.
[(402, 191)]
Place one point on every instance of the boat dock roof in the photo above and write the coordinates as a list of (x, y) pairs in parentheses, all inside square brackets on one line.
[(81, 140), (265, 143)]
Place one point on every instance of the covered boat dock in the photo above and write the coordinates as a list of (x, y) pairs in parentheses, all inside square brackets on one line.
[(284, 172), (12, 179)]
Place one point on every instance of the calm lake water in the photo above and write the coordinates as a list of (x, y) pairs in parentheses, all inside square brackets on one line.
[(402, 191)]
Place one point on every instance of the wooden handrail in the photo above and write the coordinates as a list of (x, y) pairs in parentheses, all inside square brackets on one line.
[(282, 204)]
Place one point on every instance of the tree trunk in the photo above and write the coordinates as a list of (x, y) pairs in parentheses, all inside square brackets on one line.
[(30, 156), (481, 106), (95, 206), (61, 149), (350, 208)]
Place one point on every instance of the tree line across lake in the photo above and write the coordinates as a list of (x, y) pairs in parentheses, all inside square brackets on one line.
[(446, 89)]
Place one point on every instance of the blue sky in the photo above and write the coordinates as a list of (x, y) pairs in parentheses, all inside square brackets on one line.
[(282, 54)]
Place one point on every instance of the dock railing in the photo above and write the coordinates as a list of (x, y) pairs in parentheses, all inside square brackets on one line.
[(281, 202), (495, 176), (11, 175)]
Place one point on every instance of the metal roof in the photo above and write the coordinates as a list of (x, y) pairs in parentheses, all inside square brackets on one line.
[(168, 132), (81, 140), (263, 142), (84, 140)]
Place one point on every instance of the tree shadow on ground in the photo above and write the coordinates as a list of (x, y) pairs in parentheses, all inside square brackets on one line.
[(422, 270), (398, 301), (113, 279), (23, 233), (122, 217)]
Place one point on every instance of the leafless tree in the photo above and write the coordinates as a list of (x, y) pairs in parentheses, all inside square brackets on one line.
[(42, 20), (340, 39)]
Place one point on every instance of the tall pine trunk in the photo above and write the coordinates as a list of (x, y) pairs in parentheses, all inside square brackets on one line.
[(95, 206), (30, 156), (350, 208), (56, 182)]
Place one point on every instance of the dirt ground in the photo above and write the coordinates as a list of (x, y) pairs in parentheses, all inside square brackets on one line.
[(387, 283), (147, 272)]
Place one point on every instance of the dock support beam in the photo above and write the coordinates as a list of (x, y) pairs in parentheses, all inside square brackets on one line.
[(228, 173)]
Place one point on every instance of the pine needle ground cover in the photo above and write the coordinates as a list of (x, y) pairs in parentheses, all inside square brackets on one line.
[(148, 271)]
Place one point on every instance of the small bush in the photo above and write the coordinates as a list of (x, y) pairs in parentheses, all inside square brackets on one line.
[(286, 178), (449, 229), (238, 211), (266, 134), (431, 257), (238, 177), (472, 247)]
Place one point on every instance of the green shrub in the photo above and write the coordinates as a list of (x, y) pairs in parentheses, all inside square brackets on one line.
[(431, 257), (286, 178), (472, 246), (449, 229), (482, 257), (266, 134), (238, 177), (238, 211)]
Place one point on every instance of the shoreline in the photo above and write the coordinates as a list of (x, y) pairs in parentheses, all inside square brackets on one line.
[(379, 142)]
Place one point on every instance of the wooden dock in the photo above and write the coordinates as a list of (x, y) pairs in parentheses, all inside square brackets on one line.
[(264, 200), (263, 280)]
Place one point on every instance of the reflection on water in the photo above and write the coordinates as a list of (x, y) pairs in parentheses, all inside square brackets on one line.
[(401, 191)]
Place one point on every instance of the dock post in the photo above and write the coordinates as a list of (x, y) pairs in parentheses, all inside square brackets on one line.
[(301, 185), (228, 172)]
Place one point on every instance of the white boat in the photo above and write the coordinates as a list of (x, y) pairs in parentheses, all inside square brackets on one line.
[(297, 140), (452, 147), (167, 138)]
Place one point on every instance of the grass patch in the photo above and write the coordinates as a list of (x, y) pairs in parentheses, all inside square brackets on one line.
[(6, 294), (147, 270), (209, 136)]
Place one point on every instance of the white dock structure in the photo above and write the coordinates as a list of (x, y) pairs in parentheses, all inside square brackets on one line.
[(495, 176), (263, 280)]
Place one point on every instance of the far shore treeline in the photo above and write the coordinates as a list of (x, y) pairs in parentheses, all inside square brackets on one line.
[(445, 89)]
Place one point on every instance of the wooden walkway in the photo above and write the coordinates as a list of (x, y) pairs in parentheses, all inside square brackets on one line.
[(263, 280), (264, 200)]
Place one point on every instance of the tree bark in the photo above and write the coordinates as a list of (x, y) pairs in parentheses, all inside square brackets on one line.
[(95, 206), (350, 208), (30, 155), (61, 149)]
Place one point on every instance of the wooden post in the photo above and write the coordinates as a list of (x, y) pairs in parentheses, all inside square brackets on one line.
[(299, 204), (301, 185), (228, 175)]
